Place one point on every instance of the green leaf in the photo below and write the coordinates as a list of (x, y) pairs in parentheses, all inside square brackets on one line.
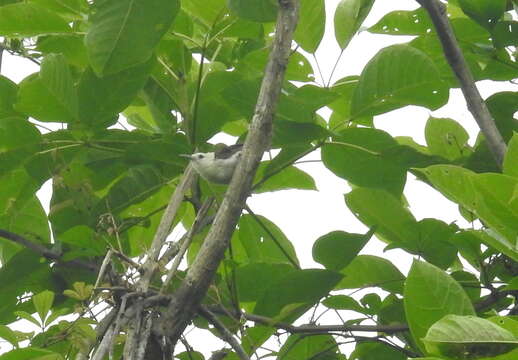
[(254, 279), (311, 24), (349, 16), (43, 303), (71, 9), (376, 351), (256, 10), (8, 93), (380, 209), (260, 240), (490, 196), (299, 347), (71, 46), (18, 141), (337, 249), (27, 19), (30, 353), (433, 243), (343, 302), (446, 138), (135, 186), (291, 133), (23, 216), (296, 292), (208, 11), (372, 271), (26, 316), (397, 76), (290, 177), (429, 295), (124, 33), (415, 22), (9, 335), (101, 99), (485, 12), (355, 156), (341, 116), (49, 95), (468, 336), (511, 157), (504, 34)]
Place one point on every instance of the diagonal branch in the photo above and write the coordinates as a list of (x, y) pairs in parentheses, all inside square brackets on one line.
[(453, 54), (190, 293), (224, 332), (44, 251)]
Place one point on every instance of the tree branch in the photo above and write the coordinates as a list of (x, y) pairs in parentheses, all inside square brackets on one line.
[(164, 228), (44, 251), (190, 293), (455, 58), (310, 328), (224, 332)]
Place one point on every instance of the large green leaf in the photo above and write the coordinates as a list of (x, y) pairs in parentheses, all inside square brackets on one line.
[(429, 295), (24, 272), (136, 185), (299, 347), (70, 9), (254, 279), (124, 33), (256, 10), (461, 336), (31, 353), (380, 209), (18, 141), (355, 155), (341, 116), (27, 19), (489, 196), (337, 249), (372, 271), (260, 240), (376, 351), (349, 16), (208, 11), (485, 12), (290, 177), (49, 95), (102, 98), (8, 92), (397, 76), (511, 158), (311, 25), (446, 138), (295, 292), (415, 22), (70, 45)]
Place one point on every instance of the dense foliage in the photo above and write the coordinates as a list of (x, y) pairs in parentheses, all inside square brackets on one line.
[(180, 73)]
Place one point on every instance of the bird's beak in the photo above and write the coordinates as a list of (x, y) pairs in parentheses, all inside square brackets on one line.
[(186, 156)]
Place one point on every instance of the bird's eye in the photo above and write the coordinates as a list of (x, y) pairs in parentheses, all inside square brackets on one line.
[(200, 156)]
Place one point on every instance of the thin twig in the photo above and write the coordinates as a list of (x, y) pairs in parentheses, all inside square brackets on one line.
[(164, 228), (187, 242), (224, 332)]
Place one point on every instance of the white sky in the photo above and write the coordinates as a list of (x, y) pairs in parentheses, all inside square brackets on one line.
[(306, 215)]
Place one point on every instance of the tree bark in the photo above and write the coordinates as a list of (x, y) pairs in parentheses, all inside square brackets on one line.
[(187, 298)]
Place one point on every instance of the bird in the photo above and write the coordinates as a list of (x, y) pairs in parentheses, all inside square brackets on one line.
[(218, 166)]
